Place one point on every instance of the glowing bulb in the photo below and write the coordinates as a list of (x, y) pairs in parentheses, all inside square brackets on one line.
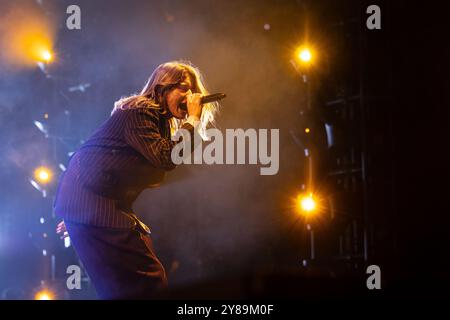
[(43, 295), (305, 55), (46, 56), (306, 204), (43, 175)]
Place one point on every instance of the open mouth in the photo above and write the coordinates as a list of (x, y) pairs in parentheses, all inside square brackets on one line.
[(182, 110), (182, 106)]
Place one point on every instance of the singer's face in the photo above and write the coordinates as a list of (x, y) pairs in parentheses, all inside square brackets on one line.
[(177, 96)]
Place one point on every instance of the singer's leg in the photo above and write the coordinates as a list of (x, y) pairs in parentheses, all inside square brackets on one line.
[(121, 263)]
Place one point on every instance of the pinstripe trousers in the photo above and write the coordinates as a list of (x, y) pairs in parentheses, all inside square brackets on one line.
[(121, 263)]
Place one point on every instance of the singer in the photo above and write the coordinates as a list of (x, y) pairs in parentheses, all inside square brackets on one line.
[(130, 152)]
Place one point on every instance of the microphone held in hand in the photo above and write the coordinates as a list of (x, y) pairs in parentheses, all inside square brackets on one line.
[(212, 98), (207, 99)]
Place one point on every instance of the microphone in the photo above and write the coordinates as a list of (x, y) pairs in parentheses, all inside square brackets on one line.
[(212, 98), (207, 99)]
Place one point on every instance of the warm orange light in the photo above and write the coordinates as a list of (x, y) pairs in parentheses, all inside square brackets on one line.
[(43, 175), (27, 35), (306, 204), (44, 295), (307, 130), (46, 56), (304, 55)]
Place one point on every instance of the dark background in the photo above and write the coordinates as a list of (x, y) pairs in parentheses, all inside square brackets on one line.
[(228, 226)]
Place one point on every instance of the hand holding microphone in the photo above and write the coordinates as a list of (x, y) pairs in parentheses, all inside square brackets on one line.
[(195, 100), (193, 104)]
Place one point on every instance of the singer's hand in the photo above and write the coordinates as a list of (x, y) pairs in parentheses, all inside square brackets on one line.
[(61, 229), (194, 107)]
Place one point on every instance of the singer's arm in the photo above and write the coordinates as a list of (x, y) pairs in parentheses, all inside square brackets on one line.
[(143, 134)]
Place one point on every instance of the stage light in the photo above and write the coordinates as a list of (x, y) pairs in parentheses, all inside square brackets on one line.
[(46, 56), (44, 295), (306, 204), (43, 175), (38, 49), (305, 55), (307, 130), (27, 35)]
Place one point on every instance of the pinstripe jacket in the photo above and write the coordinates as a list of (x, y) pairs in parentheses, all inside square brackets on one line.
[(129, 152)]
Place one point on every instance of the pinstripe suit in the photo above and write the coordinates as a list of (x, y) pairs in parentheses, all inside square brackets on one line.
[(130, 152)]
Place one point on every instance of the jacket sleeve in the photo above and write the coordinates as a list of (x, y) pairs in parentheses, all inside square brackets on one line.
[(143, 134)]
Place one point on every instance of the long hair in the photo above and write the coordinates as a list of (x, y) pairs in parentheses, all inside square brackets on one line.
[(163, 78)]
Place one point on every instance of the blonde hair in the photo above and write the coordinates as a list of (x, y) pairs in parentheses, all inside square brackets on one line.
[(164, 77)]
